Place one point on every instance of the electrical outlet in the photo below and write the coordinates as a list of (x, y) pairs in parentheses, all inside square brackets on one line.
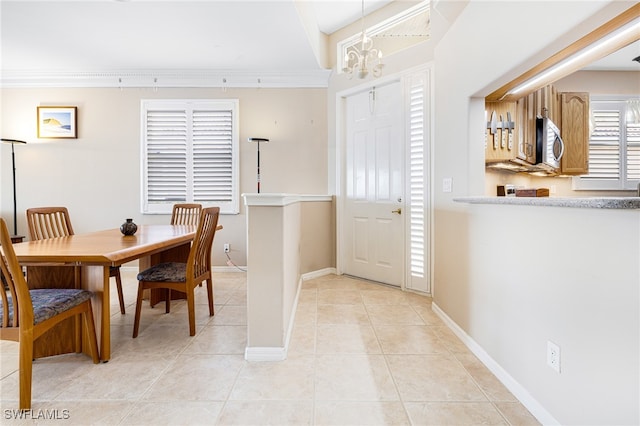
[(553, 356), (447, 185), (227, 248)]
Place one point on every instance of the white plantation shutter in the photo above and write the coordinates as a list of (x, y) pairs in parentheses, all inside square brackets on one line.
[(189, 154), (166, 156), (604, 145), (614, 148), (417, 202), (633, 151), (212, 156)]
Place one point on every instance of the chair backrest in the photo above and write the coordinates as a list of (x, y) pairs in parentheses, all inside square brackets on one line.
[(20, 301), (48, 222), (185, 214), (199, 261)]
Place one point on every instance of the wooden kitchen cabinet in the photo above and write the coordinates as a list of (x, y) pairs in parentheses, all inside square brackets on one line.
[(568, 111), (523, 115), (574, 129)]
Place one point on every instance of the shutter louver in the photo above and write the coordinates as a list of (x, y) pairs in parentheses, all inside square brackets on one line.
[(190, 149), (633, 151), (614, 146), (212, 156), (417, 181), (604, 145), (166, 156)]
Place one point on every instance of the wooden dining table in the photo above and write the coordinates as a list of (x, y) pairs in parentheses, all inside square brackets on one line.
[(83, 260)]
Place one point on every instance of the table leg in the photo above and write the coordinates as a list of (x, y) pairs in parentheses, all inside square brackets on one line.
[(95, 278)]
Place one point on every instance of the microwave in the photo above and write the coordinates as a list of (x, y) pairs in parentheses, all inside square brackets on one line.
[(549, 144)]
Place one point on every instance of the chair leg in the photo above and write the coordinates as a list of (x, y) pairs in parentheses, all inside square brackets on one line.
[(191, 308), (25, 365), (119, 288), (91, 333), (136, 321), (167, 302), (210, 295)]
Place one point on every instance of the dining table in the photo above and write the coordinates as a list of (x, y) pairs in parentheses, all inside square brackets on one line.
[(83, 261)]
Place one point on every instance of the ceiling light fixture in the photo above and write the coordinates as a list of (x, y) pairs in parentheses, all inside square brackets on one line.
[(358, 61), (614, 40)]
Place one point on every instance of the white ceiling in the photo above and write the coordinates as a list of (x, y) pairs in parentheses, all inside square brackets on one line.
[(108, 36), (622, 60), (105, 35)]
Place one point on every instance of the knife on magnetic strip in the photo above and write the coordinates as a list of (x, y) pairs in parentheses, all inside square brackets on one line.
[(511, 125), (503, 141), (494, 129)]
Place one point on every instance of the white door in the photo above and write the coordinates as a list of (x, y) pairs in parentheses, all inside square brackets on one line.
[(373, 229)]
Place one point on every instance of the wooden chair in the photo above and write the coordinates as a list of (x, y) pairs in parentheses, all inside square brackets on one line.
[(185, 214), (25, 314), (54, 222), (184, 276)]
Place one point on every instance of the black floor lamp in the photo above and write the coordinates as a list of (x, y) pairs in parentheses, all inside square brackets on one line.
[(13, 163), (258, 140)]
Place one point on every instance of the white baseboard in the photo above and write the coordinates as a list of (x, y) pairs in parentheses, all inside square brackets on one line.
[(229, 269), (534, 407), (278, 353), (317, 274), (260, 354)]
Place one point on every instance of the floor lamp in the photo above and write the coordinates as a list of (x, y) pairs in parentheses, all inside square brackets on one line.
[(13, 163), (258, 140)]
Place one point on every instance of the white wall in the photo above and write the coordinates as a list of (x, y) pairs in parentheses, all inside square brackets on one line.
[(566, 275), (467, 69), (97, 176)]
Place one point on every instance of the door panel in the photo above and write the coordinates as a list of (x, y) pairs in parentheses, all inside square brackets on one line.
[(374, 235)]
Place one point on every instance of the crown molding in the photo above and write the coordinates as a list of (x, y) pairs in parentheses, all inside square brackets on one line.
[(166, 78)]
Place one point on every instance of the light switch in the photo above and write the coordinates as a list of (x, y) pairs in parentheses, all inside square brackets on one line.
[(447, 184)]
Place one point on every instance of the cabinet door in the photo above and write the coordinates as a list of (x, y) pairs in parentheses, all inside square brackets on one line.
[(574, 130)]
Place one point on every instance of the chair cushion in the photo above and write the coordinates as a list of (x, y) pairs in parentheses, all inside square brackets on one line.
[(50, 302), (165, 272)]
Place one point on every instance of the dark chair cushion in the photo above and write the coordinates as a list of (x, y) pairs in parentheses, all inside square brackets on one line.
[(50, 302), (165, 272)]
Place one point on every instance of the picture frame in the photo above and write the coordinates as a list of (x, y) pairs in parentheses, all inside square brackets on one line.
[(57, 122)]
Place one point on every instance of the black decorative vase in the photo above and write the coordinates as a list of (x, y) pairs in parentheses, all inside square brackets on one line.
[(128, 228)]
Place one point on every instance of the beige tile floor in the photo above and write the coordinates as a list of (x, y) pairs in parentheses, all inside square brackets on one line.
[(360, 354)]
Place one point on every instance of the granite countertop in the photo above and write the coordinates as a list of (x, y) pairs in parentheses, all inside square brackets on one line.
[(585, 203)]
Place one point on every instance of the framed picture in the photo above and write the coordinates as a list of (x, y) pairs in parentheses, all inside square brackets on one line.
[(57, 122)]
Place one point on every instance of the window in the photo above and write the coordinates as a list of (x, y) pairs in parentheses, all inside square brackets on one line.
[(392, 35), (189, 154), (614, 146)]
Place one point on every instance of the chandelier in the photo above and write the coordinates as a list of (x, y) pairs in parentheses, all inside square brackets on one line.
[(361, 60)]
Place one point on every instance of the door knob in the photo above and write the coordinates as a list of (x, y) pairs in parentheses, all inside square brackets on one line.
[(398, 211)]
